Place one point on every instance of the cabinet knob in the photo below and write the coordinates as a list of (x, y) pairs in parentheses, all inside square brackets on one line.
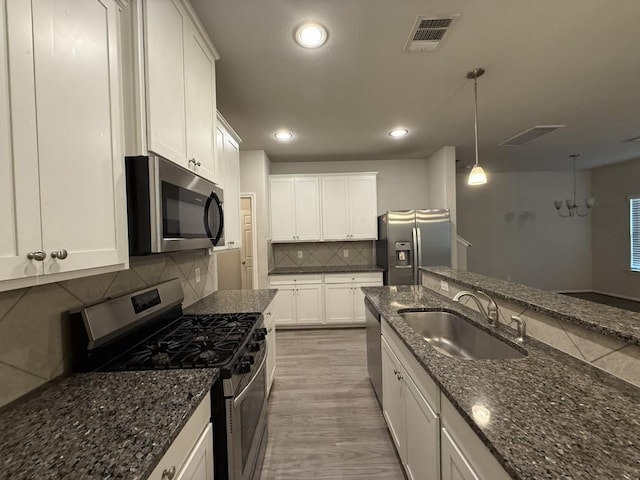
[(38, 255), (198, 164), (244, 263), (192, 160), (169, 474), (60, 254)]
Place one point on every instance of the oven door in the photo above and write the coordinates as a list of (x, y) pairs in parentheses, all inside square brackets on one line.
[(190, 209), (248, 426)]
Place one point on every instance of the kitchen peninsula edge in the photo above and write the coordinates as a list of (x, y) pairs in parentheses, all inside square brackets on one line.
[(551, 415)]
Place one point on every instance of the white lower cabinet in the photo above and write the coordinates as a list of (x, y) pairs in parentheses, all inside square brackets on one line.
[(432, 438), (190, 456), (270, 325), (344, 301), (299, 301), (412, 421)]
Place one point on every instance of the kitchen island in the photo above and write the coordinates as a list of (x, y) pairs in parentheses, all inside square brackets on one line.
[(546, 416)]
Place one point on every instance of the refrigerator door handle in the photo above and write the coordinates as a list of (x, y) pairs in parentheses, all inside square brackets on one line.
[(417, 256)]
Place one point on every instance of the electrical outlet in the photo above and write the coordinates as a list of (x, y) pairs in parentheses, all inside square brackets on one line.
[(197, 270), (299, 253), (444, 285), (345, 253)]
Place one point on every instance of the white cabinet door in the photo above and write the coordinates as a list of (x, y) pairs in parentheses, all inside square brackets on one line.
[(309, 303), (233, 232), (219, 157), (358, 297), (423, 431), (335, 212), (362, 207), (454, 465), (200, 104), (165, 23), (199, 463), (283, 216), (269, 324), (339, 302), (19, 180), (77, 80), (284, 305), (307, 209), (393, 398)]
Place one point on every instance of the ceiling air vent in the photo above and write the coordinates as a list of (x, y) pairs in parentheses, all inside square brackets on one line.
[(428, 32), (528, 135)]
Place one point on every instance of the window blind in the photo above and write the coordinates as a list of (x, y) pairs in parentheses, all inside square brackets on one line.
[(634, 226)]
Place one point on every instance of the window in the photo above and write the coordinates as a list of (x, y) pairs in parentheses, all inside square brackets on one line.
[(634, 227)]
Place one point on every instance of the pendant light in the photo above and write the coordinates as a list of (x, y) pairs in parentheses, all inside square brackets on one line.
[(477, 175), (572, 207)]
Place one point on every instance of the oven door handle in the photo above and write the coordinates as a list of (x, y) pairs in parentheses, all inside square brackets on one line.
[(245, 390)]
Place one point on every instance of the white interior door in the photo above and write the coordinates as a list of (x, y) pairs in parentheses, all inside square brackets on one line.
[(19, 179), (76, 50), (246, 250)]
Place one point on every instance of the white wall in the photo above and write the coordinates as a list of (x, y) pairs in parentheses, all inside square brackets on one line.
[(441, 189), (517, 234), (402, 184), (611, 187), (254, 172)]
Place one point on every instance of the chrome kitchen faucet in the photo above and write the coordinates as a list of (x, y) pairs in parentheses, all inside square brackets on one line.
[(491, 315)]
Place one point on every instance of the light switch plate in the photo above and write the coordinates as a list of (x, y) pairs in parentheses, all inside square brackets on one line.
[(444, 285), (197, 270)]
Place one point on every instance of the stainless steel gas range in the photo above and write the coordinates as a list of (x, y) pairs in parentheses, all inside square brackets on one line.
[(147, 330)]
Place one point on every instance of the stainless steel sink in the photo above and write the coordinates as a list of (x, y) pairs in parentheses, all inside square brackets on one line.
[(453, 335)]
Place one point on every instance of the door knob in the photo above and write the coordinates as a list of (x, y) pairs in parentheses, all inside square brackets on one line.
[(60, 254), (38, 255), (244, 263)]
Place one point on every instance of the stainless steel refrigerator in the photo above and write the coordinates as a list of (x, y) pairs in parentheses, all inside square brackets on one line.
[(410, 239)]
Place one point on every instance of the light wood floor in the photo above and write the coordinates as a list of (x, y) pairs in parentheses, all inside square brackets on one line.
[(324, 420)]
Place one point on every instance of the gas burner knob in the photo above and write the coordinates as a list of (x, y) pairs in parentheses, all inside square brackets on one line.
[(254, 347), (261, 334), (249, 358), (245, 367)]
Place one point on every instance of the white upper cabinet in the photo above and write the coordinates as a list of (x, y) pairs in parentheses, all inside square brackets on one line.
[(295, 209), (164, 27), (62, 172), (201, 104), (228, 153), (180, 87), (349, 207)]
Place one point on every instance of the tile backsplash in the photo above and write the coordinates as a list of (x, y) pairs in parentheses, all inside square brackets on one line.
[(34, 337), (316, 254)]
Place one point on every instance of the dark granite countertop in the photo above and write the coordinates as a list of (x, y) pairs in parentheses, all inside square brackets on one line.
[(234, 301), (112, 425), (326, 269), (606, 320), (551, 415)]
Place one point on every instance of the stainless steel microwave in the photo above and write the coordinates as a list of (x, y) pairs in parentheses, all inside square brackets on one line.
[(170, 208)]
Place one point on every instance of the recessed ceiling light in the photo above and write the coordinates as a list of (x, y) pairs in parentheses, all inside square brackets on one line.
[(398, 132), (283, 135), (311, 35)]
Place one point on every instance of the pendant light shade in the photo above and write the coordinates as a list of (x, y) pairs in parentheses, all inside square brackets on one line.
[(477, 175)]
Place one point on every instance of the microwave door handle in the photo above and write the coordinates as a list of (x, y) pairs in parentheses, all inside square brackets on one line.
[(213, 198)]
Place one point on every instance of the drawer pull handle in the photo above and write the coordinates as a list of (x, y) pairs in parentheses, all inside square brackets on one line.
[(169, 474)]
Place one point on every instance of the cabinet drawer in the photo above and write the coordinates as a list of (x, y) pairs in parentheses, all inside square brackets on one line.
[(179, 450), (275, 280), (356, 277)]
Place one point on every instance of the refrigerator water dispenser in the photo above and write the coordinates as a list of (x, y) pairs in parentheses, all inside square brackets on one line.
[(403, 254)]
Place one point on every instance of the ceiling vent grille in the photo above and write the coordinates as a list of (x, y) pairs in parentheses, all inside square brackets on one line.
[(428, 32), (528, 135)]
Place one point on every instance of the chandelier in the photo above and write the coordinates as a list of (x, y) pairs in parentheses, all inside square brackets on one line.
[(572, 206)]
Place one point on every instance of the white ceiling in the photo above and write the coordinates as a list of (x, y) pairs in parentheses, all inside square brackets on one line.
[(572, 62)]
